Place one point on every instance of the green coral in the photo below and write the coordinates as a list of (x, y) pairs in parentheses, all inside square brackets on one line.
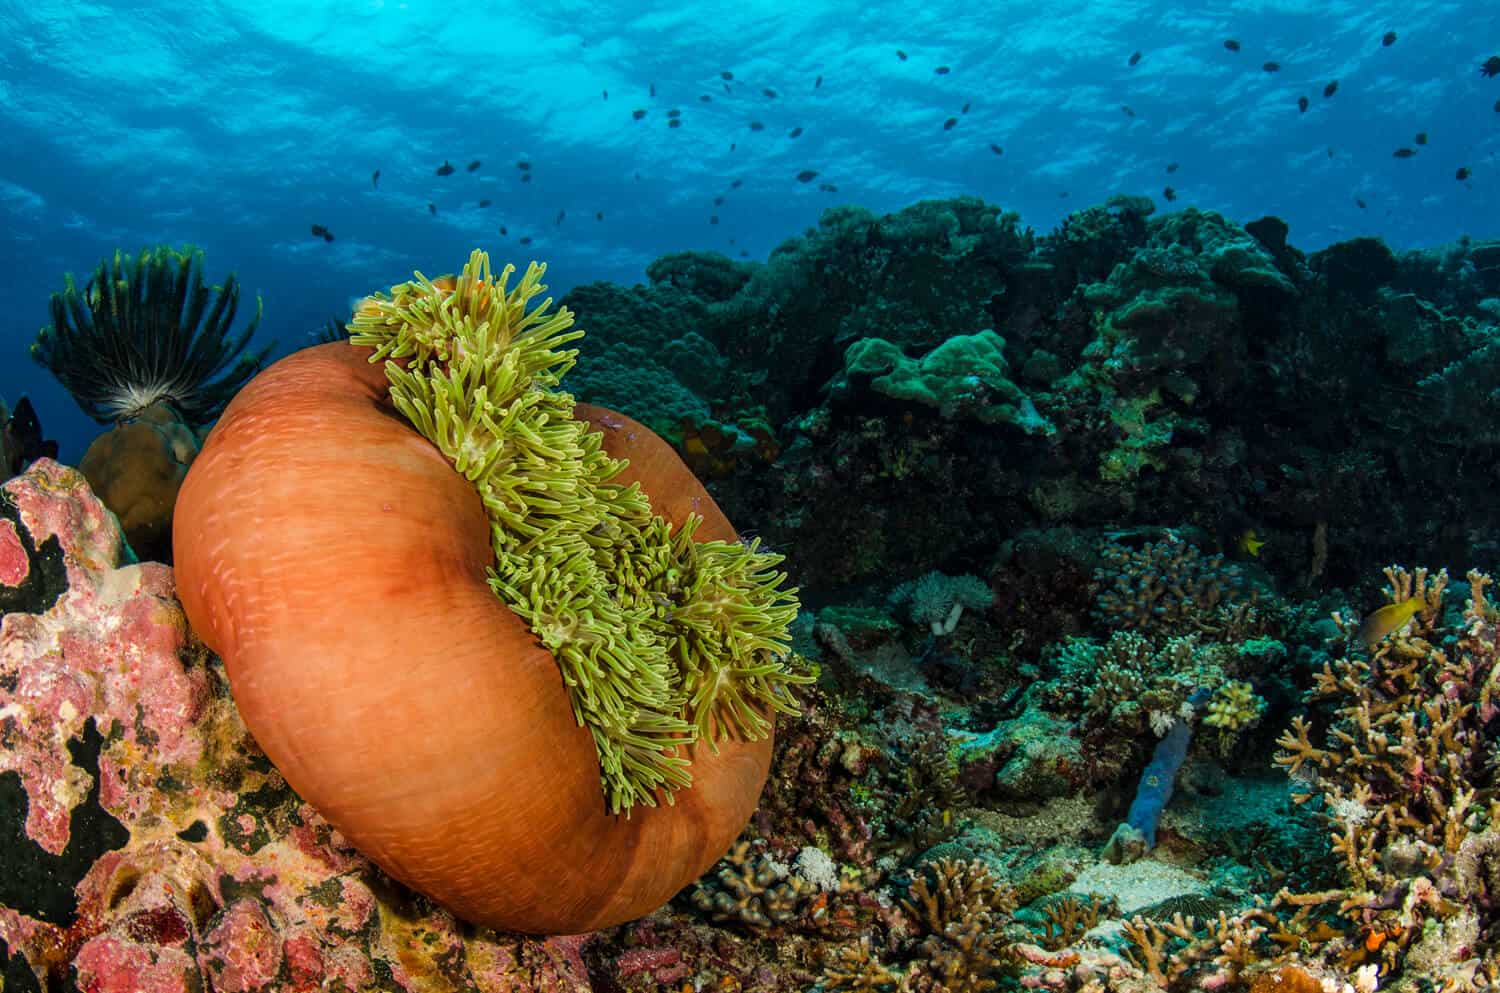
[(662, 640), (966, 375)]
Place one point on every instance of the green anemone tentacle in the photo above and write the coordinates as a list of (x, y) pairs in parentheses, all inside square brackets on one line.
[(662, 641)]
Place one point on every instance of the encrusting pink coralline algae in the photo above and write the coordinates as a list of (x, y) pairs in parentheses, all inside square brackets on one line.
[(160, 850)]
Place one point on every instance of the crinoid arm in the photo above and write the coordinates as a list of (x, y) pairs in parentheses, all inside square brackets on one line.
[(145, 331)]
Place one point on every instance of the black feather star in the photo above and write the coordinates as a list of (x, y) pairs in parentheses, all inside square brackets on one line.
[(145, 331)]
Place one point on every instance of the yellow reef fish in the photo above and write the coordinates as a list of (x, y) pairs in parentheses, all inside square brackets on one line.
[(1249, 544), (1388, 620)]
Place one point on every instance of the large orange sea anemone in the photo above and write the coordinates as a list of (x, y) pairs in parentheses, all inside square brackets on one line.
[(338, 563)]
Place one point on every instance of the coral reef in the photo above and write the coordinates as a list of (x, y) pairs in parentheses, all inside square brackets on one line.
[(1079, 520), (954, 366)]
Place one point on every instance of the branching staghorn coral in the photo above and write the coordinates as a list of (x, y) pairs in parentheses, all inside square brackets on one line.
[(1066, 918), (662, 640), (961, 907), (1406, 777), (142, 332), (1166, 952), (960, 910)]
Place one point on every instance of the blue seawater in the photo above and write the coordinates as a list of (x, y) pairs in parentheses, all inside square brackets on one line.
[(237, 126)]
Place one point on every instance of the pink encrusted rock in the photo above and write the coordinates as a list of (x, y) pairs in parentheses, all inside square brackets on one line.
[(14, 564), (206, 872), (243, 950)]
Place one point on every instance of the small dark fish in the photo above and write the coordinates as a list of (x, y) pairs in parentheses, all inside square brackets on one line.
[(1331, 89), (473, 165), (523, 165), (1127, 110), (1330, 151), (1271, 66), (996, 149), (1172, 167), (674, 112), (744, 254), (1063, 195), (375, 179), (757, 126), (525, 177), (483, 204), (1169, 193), (1360, 203), (807, 175), (1231, 44), (900, 55), (736, 184), (598, 215), (1421, 138), (713, 219), (794, 133), (828, 188), (1135, 58), (319, 231), (653, 89), (718, 201), (525, 239), (606, 94), (705, 98), (445, 169), (638, 113), (503, 231), (1490, 67), (431, 207), (726, 75), (772, 94), (675, 122), (733, 145), (950, 124), (1302, 105), (965, 108), (817, 82), (1497, 106), (1404, 153), (726, 88), (1462, 174), (942, 71), (1388, 39), (557, 222)]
